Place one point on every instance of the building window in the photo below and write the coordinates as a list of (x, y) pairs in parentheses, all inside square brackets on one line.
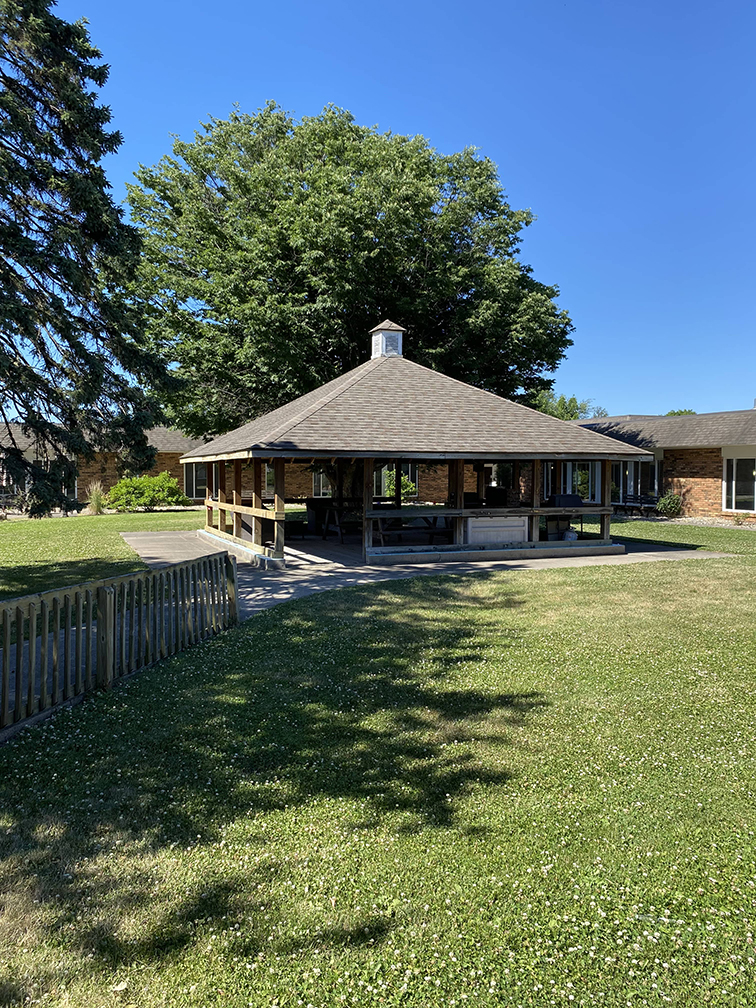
[(409, 469), (269, 484), (635, 479), (195, 480), (740, 484), (584, 479), (321, 486), (581, 478)]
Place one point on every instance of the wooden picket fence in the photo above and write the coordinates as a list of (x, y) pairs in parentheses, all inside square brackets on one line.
[(61, 644)]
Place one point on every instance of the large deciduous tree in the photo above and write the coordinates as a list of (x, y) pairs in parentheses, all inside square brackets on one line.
[(272, 247), (73, 359), (565, 408)]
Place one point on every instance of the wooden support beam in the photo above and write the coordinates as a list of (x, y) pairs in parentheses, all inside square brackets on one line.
[(339, 480), (257, 502), (397, 484), (367, 506), (237, 497), (481, 488), (279, 504), (457, 496), (606, 498), (222, 496), (535, 521), (209, 473)]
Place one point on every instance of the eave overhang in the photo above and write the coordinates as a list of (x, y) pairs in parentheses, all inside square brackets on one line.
[(639, 455)]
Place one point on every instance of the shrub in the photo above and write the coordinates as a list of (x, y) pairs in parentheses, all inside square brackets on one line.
[(96, 498), (145, 493), (670, 505), (408, 488)]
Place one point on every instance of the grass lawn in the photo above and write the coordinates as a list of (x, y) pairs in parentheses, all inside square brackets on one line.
[(55, 552), (721, 540), (512, 789)]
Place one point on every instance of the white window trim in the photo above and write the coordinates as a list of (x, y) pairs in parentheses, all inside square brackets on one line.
[(321, 476), (733, 454)]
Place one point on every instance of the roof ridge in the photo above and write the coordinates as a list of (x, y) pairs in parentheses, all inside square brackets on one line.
[(305, 414)]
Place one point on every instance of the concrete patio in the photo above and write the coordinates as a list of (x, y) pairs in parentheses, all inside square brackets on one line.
[(315, 566)]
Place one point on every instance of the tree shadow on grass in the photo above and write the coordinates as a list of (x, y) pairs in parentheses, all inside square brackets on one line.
[(17, 581), (351, 696)]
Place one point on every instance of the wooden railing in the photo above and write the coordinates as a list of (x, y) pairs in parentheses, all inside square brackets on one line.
[(60, 644)]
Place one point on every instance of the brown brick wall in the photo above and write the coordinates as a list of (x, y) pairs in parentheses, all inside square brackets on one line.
[(103, 467), (696, 475)]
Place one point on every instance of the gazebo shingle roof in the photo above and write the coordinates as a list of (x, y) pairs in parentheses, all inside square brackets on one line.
[(391, 407)]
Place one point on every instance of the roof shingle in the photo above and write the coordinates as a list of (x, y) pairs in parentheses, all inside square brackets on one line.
[(696, 430), (390, 406)]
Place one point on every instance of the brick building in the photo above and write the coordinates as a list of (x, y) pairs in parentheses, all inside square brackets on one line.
[(709, 459), (169, 444)]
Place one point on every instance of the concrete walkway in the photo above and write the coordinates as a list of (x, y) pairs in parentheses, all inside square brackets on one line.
[(307, 573)]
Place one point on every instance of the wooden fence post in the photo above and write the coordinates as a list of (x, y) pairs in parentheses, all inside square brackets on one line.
[(231, 590), (105, 637), (5, 711)]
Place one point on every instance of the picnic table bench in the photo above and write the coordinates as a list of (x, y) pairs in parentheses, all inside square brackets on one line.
[(642, 504)]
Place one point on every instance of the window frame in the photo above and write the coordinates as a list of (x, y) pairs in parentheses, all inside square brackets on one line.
[(730, 480), (410, 469), (190, 480), (319, 479)]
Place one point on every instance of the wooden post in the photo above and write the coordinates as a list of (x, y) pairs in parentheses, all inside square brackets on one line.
[(209, 473), (279, 504), (31, 706), (457, 496), (237, 498), (233, 605), (105, 636), (339, 488), (5, 711), (606, 498), (535, 521), (367, 505), (397, 484), (222, 496), (19, 706), (481, 488), (257, 502)]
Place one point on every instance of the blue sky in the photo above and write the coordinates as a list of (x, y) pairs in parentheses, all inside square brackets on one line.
[(625, 125)]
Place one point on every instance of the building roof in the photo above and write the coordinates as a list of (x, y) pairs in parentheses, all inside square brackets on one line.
[(163, 439), (387, 326), (695, 430), (166, 439), (390, 407)]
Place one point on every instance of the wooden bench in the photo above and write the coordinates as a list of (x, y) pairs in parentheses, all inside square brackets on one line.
[(385, 527), (642, 504)]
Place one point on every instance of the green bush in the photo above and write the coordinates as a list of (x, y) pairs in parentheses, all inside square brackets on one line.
[(145, 493), (408, 488), (670, 505)]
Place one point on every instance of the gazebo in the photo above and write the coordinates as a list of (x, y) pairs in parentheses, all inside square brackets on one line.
[(389, 412)]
